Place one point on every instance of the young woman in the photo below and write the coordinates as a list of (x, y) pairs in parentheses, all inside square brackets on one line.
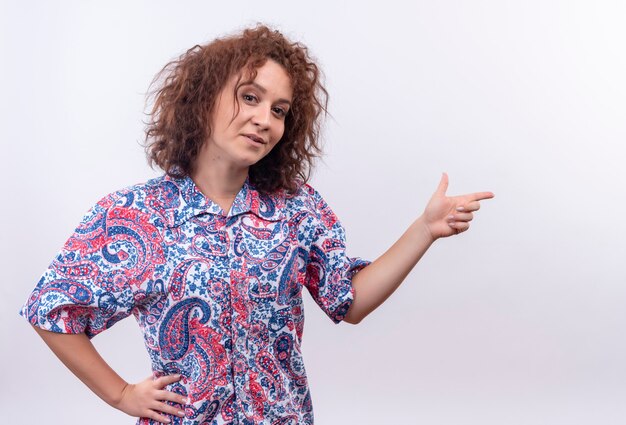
[(211, 258)]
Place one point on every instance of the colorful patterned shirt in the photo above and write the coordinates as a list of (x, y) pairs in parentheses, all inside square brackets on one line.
[(218, 297)]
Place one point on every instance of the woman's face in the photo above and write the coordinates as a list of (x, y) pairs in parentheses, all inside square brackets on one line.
[(243, 134)]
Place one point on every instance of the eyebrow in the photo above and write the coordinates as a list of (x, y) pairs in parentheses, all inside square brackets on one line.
[(264, 90)]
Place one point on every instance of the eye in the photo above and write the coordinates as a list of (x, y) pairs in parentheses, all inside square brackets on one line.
[(250, 98), (280, 112)]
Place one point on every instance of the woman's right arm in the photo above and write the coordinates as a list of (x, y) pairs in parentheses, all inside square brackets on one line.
[(145, 399)]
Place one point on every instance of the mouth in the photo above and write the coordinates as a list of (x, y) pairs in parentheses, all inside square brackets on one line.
[(255, 138)]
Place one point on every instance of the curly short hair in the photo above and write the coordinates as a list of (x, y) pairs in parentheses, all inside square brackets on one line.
[(185, 92)]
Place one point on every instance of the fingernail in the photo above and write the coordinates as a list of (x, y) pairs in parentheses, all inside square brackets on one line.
[(181, 413), (187, 400), (450, 217), (460, 209)]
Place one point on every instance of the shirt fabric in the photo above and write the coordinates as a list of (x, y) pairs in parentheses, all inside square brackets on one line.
[(217, 296)]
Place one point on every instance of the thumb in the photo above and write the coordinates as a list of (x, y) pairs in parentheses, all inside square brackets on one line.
[(443, 184)]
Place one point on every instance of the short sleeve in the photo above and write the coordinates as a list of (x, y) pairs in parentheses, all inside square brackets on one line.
[(99, 275), (329, 270)]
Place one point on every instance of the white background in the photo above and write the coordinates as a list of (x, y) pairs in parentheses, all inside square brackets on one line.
[(519, 321)]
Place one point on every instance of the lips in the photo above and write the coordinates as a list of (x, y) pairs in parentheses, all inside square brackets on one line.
[(256, 138)]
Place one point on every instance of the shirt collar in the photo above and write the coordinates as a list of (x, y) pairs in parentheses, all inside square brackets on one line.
[(183, 200)]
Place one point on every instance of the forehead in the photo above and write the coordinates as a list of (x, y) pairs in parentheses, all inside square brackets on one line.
[(271, 77)]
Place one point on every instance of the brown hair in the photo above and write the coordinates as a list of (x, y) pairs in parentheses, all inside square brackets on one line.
[(185, 95)]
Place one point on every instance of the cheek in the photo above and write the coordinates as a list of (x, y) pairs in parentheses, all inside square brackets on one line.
[(278, 132)]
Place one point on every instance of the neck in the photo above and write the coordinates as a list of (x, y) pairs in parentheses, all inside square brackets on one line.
[(217, 179)]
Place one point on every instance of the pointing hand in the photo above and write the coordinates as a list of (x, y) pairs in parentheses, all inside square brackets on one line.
[(450, 215)]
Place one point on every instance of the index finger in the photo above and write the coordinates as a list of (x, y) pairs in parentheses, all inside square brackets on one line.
[(165, 380), (481, 195)]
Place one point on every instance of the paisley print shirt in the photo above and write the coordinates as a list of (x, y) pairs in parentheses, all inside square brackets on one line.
[(218, 297)]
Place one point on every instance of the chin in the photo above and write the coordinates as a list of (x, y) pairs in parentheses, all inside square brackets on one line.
[(247, 162)]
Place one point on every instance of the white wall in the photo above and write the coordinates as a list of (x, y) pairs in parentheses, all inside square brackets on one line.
[(519, 321)]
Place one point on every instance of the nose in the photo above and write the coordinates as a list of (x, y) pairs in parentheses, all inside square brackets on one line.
[(262, 117)]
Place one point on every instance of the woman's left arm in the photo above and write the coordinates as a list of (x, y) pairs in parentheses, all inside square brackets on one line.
[(443, 216)]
